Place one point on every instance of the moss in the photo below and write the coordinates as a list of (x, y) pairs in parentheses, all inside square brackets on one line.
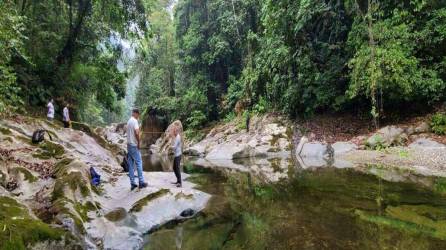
[(26, 173), (25, 140), (116, 214), (74, 180), (289, 133), (273, 150), (5, 131), (275, 164), (440, 185), (184, 196), (60, 166), (425, 220), (49, 150), (61, 206), (83, 209), (18, 230), (275, 139), (9, 139), (138, 206)]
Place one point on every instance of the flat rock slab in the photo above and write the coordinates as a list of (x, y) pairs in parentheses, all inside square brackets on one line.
[(427, 144), (159, 203)]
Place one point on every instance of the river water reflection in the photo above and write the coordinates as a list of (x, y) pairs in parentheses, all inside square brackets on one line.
[(321, 208)]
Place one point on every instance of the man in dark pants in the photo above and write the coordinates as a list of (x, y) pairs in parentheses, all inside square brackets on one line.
[(177, 152)]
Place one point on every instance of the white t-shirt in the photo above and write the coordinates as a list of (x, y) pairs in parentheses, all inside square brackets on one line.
[(50, 110), (132, 125), (66, 114), (177, 145)]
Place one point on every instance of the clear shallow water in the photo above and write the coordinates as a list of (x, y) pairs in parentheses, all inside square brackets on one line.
[(324, 208)]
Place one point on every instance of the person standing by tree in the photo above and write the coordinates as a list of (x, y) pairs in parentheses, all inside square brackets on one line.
[(177, 149), (50, 113), (66, 116), (134, 156)]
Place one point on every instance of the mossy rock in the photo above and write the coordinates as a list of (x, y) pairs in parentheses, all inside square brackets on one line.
[(74, 180), (8, 139), (25, 140), (49, 150), (18, 230), (61, 206), (28, 176), (61, 166), (117, 214), (5, 131), (138, 206), (92, 132)]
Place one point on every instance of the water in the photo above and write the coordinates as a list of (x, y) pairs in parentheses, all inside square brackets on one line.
[(324, 208)]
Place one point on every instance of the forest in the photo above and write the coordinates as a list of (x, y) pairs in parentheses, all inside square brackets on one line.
[(208, 60)]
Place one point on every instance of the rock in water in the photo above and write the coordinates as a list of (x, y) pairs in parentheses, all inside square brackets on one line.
[(187, 213), (314, 150)]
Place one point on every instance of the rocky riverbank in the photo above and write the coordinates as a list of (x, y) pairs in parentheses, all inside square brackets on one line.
[(274, 139), (51, 182)]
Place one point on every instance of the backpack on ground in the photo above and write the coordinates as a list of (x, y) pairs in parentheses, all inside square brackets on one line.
[(95, 177), (125, 163), (39, 136)]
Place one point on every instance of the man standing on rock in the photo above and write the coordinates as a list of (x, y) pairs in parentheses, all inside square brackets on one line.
[(134, 156), (66, 116), (177, 152), (50, 114)]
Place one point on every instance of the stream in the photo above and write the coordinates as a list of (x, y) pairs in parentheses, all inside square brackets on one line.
[(324, 208)]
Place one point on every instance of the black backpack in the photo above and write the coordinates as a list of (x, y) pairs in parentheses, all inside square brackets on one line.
[(125, 163), (39, 136)]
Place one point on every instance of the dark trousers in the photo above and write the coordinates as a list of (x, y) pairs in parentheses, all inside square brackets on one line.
[(66, 124), (176, 168)]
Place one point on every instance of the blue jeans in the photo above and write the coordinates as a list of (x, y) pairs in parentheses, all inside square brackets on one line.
[(134, 158)]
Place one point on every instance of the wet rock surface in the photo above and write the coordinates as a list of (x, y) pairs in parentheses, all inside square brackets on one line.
[(52, 179)]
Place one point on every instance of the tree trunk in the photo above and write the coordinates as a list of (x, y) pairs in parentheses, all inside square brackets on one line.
[(66, 54)]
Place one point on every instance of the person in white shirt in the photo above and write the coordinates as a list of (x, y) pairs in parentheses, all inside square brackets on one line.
[(50, 113), (66, 116), (177, 149), (134, 156)]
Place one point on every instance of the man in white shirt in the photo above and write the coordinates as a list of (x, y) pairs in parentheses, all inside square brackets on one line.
[(50, 113), (66, 116), (177, 149), (134, 156)]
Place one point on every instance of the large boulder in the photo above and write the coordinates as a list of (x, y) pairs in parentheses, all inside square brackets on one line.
[(386, 137), (229, 151), (422, 128), (164, 143), (196, 150), (315, 150), (340, 148)]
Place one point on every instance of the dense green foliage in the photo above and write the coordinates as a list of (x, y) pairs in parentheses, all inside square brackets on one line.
[(67, 50), (213, 59), (298, 57), (438, 124)]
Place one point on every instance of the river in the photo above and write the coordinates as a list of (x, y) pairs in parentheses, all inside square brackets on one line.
[(368, 207)]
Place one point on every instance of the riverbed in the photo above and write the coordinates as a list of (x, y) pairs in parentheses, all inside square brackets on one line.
[(368, 207)]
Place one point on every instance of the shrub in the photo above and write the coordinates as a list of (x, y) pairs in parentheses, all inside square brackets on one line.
[(438, 124)]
